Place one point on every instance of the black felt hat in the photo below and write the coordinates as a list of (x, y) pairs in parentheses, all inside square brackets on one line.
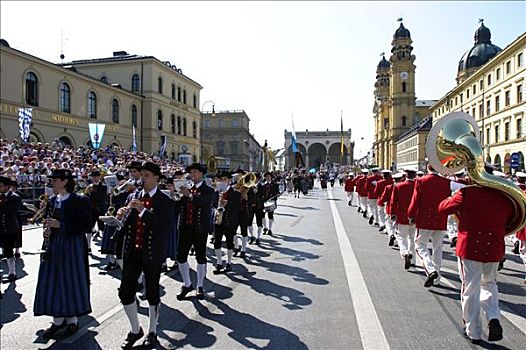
[(151, 167), (197, 166), (61, 174), (134, 165)]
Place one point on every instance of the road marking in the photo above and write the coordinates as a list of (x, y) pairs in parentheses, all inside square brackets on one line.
[(371, 331)]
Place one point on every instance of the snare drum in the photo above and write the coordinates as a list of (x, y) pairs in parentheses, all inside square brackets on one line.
[(269, 206)]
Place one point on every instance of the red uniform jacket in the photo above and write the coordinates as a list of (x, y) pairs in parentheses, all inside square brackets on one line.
[(385, 198), (380, 187), (482, 214), (400, 200), (522, 233), (372, 180), (429, 191), (360, 186), (349, 185)]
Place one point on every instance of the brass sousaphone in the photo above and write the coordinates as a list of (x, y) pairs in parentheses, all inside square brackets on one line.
[(453, 144)]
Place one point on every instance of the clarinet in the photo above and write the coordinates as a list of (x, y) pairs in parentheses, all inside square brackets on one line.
[(50, 212), (125, 217)]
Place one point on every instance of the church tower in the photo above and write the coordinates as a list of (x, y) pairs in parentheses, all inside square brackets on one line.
[(401, 86), (381, 111)]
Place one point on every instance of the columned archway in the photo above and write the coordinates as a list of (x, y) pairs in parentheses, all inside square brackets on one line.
[(335, 153), (317, 155)]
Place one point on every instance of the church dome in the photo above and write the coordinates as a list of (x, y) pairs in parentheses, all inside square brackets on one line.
[(383, 64), (402, 32), (481, 52)]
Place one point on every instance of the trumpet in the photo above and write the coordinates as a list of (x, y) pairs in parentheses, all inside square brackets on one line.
[(39, 215), (122, 188)]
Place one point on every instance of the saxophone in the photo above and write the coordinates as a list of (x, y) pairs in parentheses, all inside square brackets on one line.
[(453, 144)]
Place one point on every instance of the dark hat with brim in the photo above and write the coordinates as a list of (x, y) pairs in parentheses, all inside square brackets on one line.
[(196, 166), (225, 173), (268, 173), (151, 167), (61, 174), (134, 165)]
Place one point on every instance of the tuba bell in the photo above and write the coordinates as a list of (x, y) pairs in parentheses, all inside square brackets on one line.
[(246, 182), (453, 144)]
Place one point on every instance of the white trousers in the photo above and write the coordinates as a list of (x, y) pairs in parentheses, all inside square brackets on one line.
[(452, 227), (381, 216), (431, 263), (406, 240), (522, 251), (362, 201), (373, 208), (479, 288), (350, 196), (389, 225)]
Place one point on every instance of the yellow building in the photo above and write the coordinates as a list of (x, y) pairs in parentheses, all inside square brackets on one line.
[(119, 91), (491, 89), (396, 109)]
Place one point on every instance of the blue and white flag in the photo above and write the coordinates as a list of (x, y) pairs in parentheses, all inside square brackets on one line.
[(96, 133), (24, 122), (134, 141), (294, 145)]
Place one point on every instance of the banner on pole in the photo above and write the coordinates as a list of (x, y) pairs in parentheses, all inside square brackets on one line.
[(96, 133), (24, 122)]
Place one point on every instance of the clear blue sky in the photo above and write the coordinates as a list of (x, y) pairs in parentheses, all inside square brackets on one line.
[(271, 58)]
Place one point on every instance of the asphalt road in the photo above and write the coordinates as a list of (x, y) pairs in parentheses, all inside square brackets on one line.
[(324, 280)]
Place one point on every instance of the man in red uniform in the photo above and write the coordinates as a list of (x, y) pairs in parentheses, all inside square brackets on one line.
[(384, 202), (349, 188), (429, 191), (400, 200), (483, 213), (372, 198), (378, 191), (362, 191)]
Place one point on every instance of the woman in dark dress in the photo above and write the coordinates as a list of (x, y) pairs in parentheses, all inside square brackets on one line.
[(63, 278)]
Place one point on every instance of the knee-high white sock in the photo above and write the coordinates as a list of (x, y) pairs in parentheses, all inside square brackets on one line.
[(185, 274), (11, 265), (259, 231), (251, 231), (264, 220), (219, 257), (57, 321), (131, 312), (88, 239), (236, 241), (229, 254), (72, 320), (153, 314), (244, 241), (120, 263), (201, 272), (270, 222)]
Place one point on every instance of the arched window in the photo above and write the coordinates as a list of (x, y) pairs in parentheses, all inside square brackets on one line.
[(195, 101), (404, 87), (172, 123), (134, 115), (31, 89), (115, 111), (184, 96), (404, 120), (104, 79), (92, 105), (173, 91), (184, 126), (136, 83), (160, 85), (159, 120), (65, 98), (194, 129), (179, 125), (179, 93)]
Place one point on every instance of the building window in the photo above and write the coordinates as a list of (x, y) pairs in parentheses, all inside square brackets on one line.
[(467, 93), (404, 120), (481, 110), (136, 83), (497, 103), (184, 96), (496, 134), (173, 91), (474, 89), (481, 84), (489, 79), (172, 123), (234, 123), (497, 74), (520, 60), (487, 135), (519, 128), (473, 111), (134, 115), (179, 125), (488, 107), (220, 145), (194, 101), (220, 123), (92, 105), (404, 87), (507, 98), (160, 85), (456, 100), (65, 98), (207, 123), (31, 89), (234, 147), (508, 67), (506, 131), (159, 120), (184, 127), (179, 93), (194, 129), (115, 111), (386, 123), (519, 93), (104, 79)]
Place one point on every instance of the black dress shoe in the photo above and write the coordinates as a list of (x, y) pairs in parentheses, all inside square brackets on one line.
[(252, 240), (376, 224), (265, 231), (381, 228), (270, 232), (228, 267), (258, 241), (109, 267), (429, 280), (359, 210), (164, 268), (371, 220), (200, 293), (392, 240), (242, 255), (212, 240), (11, 277), (516, 247), (472, 341), (501, 264), (131, 338), (150, 341), (71, 329), (218, 269), (52, 330), (453, 242), (184, 292), (349, 203), (494, 330), (236, 251), (407, 261)]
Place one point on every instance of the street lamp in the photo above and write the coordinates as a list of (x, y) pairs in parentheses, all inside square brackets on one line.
[(213, 105)]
